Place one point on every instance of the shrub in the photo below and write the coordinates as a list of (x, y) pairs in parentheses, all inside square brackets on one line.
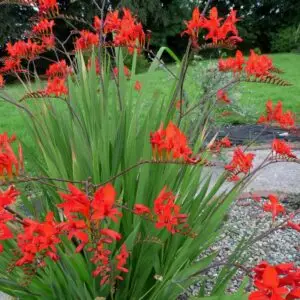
[(120, 216), (286, 40)]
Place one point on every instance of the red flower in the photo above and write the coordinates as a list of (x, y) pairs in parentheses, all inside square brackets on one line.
[(9, 163), (258, 65), (241, 163), (294, 226), (38, 238), (97, 23), (275, 114), (76, 228), (56, 86), (274, 206), (276, 282), (137, 86), (43, 27), (112, 22), (171, 143), (218, 32), (167, 212), (11, 64), (110, 235), (48, 42), (269, 286), (222, 96), (140, 209), (59, 69), (193, 26), (121, 260), (8, 197), (218, 145), (75, 202), (127, 32), (86, 40), (233, 64), (225, 142), (282, 149), (48, 7), (2, 82), (26, 50), (103, 204)]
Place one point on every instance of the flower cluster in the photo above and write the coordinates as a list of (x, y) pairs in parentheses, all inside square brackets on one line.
[(275, 114), (278, 282), (216, 146), (217, 30), (126, 72), (91, 212), (258, 66), (87, 40), (273, 206), (171, 143), (282, 150), (42, 39), (241, 163), (38, 240), (57, 74), (7, 197), (166, 214), (10, 164)]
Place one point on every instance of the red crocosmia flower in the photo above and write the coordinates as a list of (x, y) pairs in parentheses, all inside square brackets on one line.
[(110, 235), (128, 32), (268, 287), (167, 212), (140, 209), (102, 259), (112, 22), (5, 233), (59, 69), (232, 64), (241, 163), (138, 86), (57, 87), (24, 50), (8, 197), (38, 239), (294, 226), (75, 202), (103, 204), (48, 7), (170, 143), (222, 96), (2, 81), (43, 27), (258, 65), (225, 142), (275, 114), (9, 163), (218, 32), (218, 145), (282, 149), (86, 40), (48, 42), (193, 26), (121, 260), (11, 64), (276, 282), (76, 228), (97, 23), (274, 206)]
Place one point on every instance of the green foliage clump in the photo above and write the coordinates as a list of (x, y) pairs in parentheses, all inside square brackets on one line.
[(286, 40)]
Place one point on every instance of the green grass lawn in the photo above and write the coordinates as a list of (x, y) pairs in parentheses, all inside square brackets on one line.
[(252, 96)]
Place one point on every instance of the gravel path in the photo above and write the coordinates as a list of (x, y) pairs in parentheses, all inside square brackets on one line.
[(244, 220)]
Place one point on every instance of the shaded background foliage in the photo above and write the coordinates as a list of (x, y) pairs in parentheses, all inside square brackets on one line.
[(270, 25)]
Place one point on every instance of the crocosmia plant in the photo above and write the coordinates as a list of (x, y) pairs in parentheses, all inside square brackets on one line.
[(121, 205)]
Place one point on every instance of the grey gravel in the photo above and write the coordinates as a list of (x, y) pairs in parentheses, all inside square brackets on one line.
[(246, 219)]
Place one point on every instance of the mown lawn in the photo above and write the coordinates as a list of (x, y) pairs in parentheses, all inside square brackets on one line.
[(252, 96)]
